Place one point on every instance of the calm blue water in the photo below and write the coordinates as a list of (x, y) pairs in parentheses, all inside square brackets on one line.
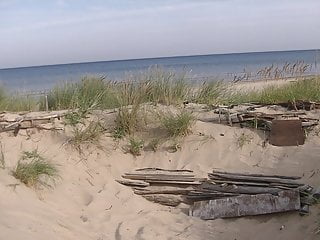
[(219, 66)]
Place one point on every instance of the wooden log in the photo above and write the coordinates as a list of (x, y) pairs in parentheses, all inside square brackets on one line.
[(165, 199), (246, 205), (133, 183), (254, 179), (258, 175)]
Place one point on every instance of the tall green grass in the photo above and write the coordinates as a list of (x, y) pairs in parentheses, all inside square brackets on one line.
[(306, 90), (89, 93), (157, 86)]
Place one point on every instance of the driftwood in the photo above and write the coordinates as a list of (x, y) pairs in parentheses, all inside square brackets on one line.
[(254, 179), (165, 199), (246, 117), (40, 120), (258, 175), (163, 190), (227, 194), (239, 189), (133, 183), (246, 205)]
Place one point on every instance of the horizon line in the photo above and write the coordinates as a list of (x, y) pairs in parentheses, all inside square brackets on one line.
[(159, 57)]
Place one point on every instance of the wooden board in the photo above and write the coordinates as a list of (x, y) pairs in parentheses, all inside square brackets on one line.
[(258, 175), (287, 133), (222, 176), (246, 205)]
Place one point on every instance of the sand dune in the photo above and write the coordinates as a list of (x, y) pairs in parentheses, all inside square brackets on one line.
[(87, 203)]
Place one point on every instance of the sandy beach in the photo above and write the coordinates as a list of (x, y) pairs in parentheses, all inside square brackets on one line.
[(87, 203)]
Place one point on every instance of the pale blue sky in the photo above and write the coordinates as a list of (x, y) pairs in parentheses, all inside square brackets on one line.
[(39, 32)]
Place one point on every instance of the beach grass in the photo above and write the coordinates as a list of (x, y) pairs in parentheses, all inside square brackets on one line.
[(306, 90), (157, 86), (86, 134), (177, 124), (34, 170), (135, 146)]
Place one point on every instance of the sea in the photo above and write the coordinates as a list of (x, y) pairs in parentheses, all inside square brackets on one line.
[(227, 67)]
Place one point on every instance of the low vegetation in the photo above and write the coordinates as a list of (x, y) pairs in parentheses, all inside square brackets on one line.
[(83, 134), (177, 124), (157, 86), (135, 146), (154, 144), (307, 90), (243, 139), (34, 170)]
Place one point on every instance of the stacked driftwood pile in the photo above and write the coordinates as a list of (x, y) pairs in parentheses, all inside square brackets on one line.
[(247, 115), (222, 194), (41, 120), (167, 187)]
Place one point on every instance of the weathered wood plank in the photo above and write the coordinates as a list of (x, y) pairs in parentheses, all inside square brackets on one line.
[(254, 179), (148, 169), (163, 190), (134, 183), (159, 178), (246, 205), (239, 189), (166, 199), (258, 175), (173, 182)]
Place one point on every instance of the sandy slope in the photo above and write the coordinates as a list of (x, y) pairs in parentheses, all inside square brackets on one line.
[(88, 204)]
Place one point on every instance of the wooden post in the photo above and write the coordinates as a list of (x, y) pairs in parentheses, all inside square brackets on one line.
[(47, 105)]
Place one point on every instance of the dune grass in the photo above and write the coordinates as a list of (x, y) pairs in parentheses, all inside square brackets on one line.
[(34, 170), (177, 124), (306, 90), (212, 92), (135, 146), (83, 134), (157, 86)]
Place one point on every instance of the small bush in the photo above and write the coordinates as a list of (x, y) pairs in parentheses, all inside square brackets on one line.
[(177, 124), (33, 170), (135, 146)]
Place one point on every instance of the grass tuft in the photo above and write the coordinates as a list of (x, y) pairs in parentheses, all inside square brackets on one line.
[(177, 124), (135, 146), (86, 134), (243, 139), (33, 170)]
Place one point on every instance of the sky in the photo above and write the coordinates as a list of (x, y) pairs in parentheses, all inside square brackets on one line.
[(42, 32)]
